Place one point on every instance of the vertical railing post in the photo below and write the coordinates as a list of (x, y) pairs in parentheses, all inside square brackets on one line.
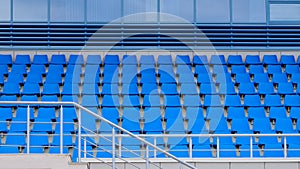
[(251, 147), (147, 157), (61, 139), (218, 147), (28, 129), (79, 135), (154, 142), (113, 148), (190, 147), (84, 147), (285, 147)]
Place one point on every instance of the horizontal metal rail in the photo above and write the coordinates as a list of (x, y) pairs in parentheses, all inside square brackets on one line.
[(101, 118)]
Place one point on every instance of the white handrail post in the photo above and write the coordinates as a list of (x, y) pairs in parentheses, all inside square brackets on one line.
[(28, 129), (251, 147), (218, 147), (190, 147), (285, 147), (84, 147), (79, 135), (61, 141), (154, 153), (113, 149), (147, 157)]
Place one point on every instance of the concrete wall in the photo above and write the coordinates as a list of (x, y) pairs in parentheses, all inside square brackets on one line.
[(38, 161)]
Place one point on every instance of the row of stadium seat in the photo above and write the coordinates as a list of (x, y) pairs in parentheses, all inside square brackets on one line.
[(60, 59)]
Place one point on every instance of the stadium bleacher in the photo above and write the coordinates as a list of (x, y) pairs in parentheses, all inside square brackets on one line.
[(178, 95)]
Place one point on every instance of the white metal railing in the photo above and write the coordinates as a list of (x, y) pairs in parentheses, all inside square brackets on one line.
[(81, 136)]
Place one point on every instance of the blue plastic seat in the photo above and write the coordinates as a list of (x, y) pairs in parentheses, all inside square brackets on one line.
[(153, 126), (191, 101), (69, 114), (148, 78), (129, 78), (93, 60), (227, 88), (212, 100), (169, 89), (228, 151), (295, 78), (255, 69), (201, 69), (111, 59), (256, 113), (235, 60), (31, 89), (284, 125), (110, 113), (110, 78), (5, 59), (172, 101), (110, 101), (223, 78), (252, 60), (272, 100), (193, 114), (277, 113), (273, 150), (261, 78), (129, 89), (21, 114), (15, 78), (167, 78), (53, 79), (240, 126), (182, 60), (285, 88), (90, 89), (51, 89), (236, 113), (50, 98), (291, 69), (40, 59), (242, 78), (15, 139), (18, 69), (90, 101), (270, 60), (196, 125), (217, 60), (72, 78), (263, 126), (9, 149), (202, 151), (293, 150), (3, 69), (274, 69), (109, 89), (37, 69), (6, 113), (279, 78), (55, 69), (75, 59), (131, 113), (147, 60), (188, 89), (8, 98), (175, 126), (217, 124), (164, 60), (132, 126), (22, 60), (200, 60), (131, 101), (129, 60), (287, 60), (38, 139), (232, 101), (58, 59), (69, 98), (129, 69), (184, 69), (149, 88), (252, 101), (266, 88), (208, 89), (11, 89), (292, 100), (220, 69), (151, 100), (235, 69), (247, 88), (294, 113), (173, 113), (204, 78), (70, 89), (166, 69)]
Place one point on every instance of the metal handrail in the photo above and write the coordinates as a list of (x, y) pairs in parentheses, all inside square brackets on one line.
[(98, 117)]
